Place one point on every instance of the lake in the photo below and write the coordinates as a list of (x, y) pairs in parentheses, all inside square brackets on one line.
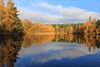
[(59, 50)]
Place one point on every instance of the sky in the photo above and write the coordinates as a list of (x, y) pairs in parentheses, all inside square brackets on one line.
[(58, 11)]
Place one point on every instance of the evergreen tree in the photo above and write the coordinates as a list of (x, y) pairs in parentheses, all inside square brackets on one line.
[(11, 21)]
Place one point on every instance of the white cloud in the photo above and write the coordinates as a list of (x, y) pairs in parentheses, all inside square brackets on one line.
[(36, 16), (43, 12)]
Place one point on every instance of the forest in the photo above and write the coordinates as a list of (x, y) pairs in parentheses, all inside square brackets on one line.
[(88, 28), (12, 25)]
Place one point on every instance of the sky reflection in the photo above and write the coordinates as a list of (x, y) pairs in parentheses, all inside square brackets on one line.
[(56, 52)]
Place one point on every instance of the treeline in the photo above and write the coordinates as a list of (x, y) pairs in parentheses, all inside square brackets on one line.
[(10, 24), (37, 28), (88, 28)]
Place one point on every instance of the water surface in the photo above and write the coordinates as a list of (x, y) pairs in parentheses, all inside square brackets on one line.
[(50, 51)]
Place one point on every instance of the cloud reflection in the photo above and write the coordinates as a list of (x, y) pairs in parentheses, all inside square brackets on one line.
[(55, 51)]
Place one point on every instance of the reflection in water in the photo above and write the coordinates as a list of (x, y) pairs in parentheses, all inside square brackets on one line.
[(10, 47), (90, 41), (37, 39)]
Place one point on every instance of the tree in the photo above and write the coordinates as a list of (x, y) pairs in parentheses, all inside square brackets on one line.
[(2, 12), (57, 29), (11, 21), (26, 25), (98, 24)]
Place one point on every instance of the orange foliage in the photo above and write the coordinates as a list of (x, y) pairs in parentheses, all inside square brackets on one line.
[(39, 28)]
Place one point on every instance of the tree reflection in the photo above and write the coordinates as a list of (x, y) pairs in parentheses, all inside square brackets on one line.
[(37, 39), (89, 40), (9, 47)]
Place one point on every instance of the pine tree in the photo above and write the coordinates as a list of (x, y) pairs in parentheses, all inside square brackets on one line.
[(11, 21), (1, 10)]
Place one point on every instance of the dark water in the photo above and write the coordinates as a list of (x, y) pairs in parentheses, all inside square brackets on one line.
[(50, 51)]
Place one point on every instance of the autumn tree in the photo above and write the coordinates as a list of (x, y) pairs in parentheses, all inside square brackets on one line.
[(26, 25), (2, 12), (57, 29), (11, 21)]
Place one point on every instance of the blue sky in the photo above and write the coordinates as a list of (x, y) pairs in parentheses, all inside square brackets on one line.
[(90, 5), (61, 10)]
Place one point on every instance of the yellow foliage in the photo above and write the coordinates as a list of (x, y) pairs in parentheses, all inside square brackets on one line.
[(38, 28)]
